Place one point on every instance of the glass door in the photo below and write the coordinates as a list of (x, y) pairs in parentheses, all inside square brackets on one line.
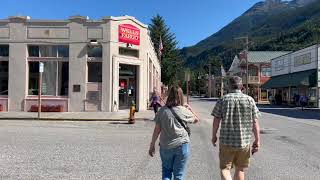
[(127, 86)]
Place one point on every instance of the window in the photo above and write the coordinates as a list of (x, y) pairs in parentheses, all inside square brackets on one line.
[(129, 52), (279, 65), (48, 51), (253, 71), (4, 77), (4, 50), (266, 71), (55, 78), (94, 71), (95, 51)]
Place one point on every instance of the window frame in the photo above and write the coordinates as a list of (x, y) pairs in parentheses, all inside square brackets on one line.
[(7, 45), (52, 48), (126, 55), (56, 59), (5, 59)]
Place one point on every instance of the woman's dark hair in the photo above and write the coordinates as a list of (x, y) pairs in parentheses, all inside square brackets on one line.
[(175, 97)]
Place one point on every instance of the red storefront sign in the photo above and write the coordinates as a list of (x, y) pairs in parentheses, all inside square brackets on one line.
[(129, 34)]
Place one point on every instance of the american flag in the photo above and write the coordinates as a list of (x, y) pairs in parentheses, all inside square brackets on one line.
[(160, 47)]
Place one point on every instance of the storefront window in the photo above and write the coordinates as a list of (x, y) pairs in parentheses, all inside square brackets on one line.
[(48, 51), (55, 78), (4, 69), (129, 52), (94, 71), (63, 51), (4, 50), (95, 51)]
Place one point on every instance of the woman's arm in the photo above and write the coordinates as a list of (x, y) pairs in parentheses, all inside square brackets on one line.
[(155, 135), (196, 118)]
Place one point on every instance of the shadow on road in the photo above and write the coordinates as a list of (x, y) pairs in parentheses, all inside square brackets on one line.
[(291, 112), (197, 98)]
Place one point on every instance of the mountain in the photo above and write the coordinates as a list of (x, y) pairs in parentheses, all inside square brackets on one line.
[(270, 25)]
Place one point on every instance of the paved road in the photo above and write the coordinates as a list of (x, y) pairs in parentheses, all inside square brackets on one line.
[(112, 150)]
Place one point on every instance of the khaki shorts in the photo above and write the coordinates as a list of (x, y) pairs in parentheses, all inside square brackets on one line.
[(229, 156)]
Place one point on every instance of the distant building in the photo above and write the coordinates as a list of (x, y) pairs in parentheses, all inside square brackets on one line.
[(89, 65), (259, 71), (297, 73)]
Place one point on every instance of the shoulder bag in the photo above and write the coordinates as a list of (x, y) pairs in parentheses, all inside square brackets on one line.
[(184, 125)]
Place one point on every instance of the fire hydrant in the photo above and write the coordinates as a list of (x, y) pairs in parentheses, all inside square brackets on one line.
[(131, 114)]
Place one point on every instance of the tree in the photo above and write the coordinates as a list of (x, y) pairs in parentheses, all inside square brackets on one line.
[(171, 62)]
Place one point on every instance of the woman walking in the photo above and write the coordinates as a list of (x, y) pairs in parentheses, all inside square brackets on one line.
[(174, 138), (155, 101)]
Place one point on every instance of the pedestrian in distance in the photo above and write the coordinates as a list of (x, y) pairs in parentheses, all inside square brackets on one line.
[(155, 101), (171, 124), (238, 115), (303, 100)]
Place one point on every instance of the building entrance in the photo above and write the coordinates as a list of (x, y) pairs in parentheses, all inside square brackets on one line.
[(127, 85)]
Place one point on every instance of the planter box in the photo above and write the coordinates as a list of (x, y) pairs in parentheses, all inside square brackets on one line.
[(46, 108)]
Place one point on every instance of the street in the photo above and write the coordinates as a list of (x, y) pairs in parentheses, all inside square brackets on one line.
[(116, 150)]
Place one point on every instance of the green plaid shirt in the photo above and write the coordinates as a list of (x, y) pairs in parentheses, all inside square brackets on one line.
[(237, 112)]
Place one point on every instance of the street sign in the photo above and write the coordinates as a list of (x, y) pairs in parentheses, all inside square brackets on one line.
[(187, 76), (41, 67)]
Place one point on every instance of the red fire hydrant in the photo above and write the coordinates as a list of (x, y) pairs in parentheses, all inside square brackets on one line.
[(131, 114)]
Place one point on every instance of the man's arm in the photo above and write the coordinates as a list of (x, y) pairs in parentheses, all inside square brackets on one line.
[(256, 132), (215, 127)]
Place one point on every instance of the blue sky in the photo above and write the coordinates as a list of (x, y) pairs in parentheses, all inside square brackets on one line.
[(190, 20)]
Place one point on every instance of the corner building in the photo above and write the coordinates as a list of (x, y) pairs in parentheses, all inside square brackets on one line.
[(89, 65)]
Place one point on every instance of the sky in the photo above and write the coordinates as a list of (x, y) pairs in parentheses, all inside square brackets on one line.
[(190, 20)]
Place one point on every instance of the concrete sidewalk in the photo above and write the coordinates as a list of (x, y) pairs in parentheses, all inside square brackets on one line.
[(121, 115)]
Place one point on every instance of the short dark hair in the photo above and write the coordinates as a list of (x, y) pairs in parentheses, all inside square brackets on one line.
[(175, 97), (235, 82)]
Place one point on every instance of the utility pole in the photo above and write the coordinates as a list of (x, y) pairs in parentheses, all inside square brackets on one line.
[(247, 65), (209, 81)]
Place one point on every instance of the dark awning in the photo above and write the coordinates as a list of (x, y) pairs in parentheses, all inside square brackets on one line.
[(303, 78)]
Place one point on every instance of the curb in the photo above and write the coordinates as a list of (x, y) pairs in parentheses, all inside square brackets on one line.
[(70, 119)]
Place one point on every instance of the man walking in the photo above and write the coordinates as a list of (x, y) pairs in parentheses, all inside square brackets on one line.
[(238, 115)]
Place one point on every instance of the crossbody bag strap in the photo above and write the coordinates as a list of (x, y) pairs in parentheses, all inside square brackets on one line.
[(178, 118)]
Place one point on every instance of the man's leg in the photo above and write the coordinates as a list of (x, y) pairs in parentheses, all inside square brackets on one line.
[(242, 161), (239, 174), (226, 156), (226, 174)]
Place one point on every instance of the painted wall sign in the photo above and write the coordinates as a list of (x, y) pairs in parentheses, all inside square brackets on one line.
[(129, 34)]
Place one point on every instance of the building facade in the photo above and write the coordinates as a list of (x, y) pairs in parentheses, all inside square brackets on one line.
[(259, 71), (88, 65), (296, 73)]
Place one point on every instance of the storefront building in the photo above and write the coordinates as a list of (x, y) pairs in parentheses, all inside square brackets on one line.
[(89, 65), (259, 71), (296, 73)]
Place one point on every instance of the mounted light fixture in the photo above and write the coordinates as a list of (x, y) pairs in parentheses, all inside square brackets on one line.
[(93, 42)]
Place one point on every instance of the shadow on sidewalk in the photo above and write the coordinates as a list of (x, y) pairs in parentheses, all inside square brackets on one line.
[(293, 112)]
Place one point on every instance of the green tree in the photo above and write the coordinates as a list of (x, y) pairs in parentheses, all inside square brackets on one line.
[(171, 62)]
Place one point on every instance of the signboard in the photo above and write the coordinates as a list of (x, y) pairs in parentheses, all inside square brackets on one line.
[(302, 60), (41, 67), (129, 34)]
